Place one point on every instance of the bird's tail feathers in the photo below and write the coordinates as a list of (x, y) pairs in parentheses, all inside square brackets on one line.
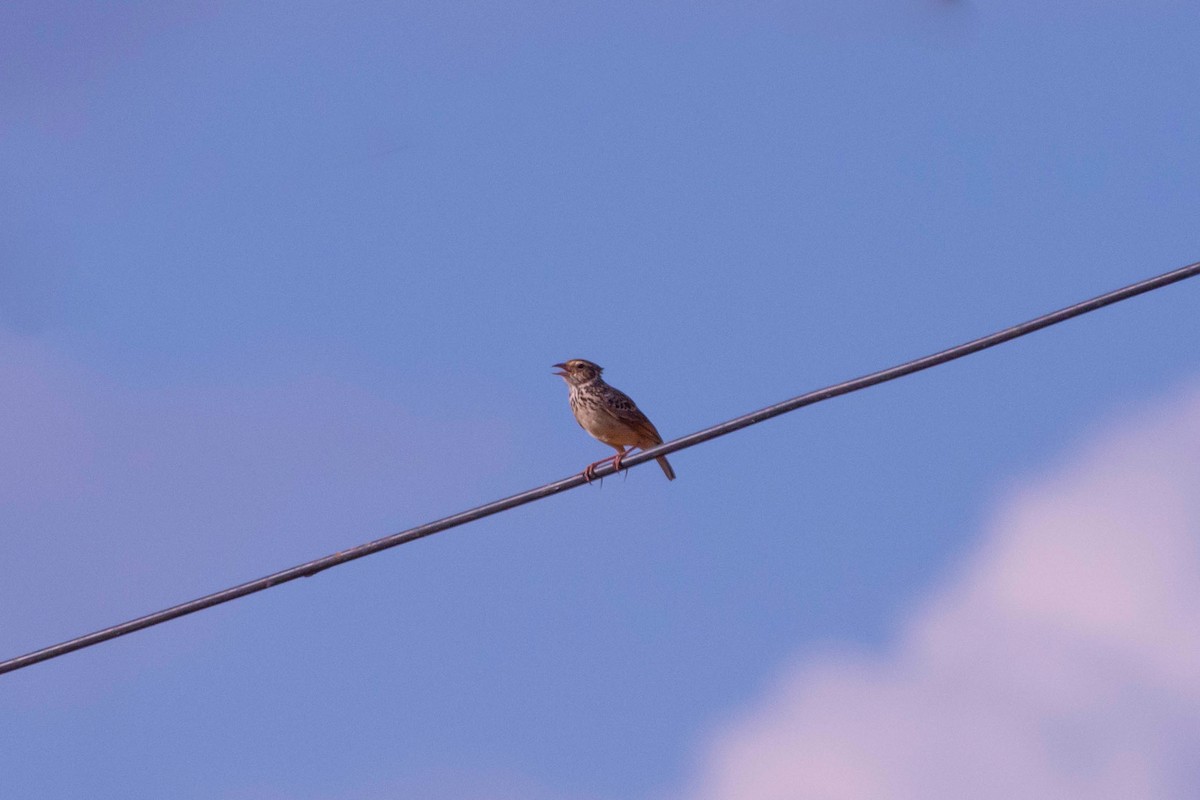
[(666, 467)]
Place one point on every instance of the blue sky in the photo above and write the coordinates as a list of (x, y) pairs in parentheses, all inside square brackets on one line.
[(280, 278)]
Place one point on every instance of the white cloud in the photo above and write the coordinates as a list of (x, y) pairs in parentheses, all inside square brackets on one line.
[(1062, 661)]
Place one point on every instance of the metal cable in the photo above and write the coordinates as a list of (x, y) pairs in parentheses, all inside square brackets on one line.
[(403, 537)]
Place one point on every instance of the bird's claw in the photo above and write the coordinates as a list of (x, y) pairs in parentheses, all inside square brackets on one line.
[(589, 472)]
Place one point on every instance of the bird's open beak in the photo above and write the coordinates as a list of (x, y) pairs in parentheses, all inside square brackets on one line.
[(563, 370)]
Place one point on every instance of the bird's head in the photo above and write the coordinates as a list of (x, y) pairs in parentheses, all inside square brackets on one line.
[(578, 371)]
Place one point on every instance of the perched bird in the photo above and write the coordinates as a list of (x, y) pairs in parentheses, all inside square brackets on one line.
[(608, 414)]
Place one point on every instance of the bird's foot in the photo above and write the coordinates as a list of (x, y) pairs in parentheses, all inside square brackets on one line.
[(589, 472)]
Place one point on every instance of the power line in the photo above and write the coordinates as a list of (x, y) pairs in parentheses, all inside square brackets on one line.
[(403, 537)]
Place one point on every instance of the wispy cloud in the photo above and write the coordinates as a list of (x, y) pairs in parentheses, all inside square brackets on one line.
[(1061, 661), (116, 500)]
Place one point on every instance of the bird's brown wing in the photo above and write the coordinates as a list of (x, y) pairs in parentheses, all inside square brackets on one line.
[(628, 413)]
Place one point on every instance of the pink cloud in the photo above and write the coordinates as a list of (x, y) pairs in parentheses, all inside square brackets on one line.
[(51, 52), (1061, 661), (117, 500), (45, 442)]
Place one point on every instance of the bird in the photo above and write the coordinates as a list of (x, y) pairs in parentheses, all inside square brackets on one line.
[(608, 414)]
